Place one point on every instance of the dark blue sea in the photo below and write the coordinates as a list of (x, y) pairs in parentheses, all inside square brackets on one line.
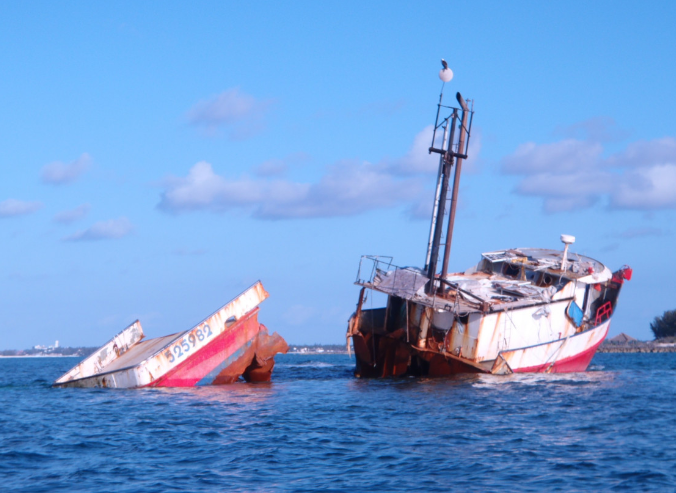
[(317, 428)]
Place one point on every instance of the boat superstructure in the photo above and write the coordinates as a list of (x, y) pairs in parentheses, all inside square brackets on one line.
[(517, 310)]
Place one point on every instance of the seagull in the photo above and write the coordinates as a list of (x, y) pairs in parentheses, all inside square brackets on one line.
[(445, 74)]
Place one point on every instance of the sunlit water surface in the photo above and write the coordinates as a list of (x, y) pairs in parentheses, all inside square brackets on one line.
[(316, 427)]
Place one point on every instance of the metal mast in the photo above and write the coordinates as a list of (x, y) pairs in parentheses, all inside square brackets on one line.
[(437, 193), (464, 136), (450, 151), (447, 162)]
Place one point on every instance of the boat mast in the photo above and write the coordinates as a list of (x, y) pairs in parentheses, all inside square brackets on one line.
[(449, 152), (464, 134), (447, 162), (435, 210)]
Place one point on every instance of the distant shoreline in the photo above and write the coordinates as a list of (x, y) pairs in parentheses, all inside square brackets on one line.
[(636, 349), (605, 348), (82, 356), (42, 356)]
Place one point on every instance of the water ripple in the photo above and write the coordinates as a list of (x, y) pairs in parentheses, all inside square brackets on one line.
[(317, 428)]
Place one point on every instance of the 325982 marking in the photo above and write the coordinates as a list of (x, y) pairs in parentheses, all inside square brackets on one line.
[(186, 345)]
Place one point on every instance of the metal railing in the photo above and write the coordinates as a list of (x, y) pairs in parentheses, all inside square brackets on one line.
[(371, 264)]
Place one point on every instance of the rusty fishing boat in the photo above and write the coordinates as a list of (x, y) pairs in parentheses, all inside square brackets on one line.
[(227, 345), (516, 310)]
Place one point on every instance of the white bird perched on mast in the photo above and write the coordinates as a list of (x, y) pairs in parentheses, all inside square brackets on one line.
[(445, 74)]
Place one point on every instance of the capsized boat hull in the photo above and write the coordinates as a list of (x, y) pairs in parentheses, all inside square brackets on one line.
[(226, 345)]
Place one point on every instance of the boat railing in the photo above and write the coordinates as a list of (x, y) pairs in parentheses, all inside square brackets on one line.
[(376, 272), (370, 265)]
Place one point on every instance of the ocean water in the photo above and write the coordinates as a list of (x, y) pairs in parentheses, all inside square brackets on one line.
[(316, 427)]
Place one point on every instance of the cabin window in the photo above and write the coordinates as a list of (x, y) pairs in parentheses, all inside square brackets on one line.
[(547, 280), (512, 271)]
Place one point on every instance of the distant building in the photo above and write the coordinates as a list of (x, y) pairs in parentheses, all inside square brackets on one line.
[(622, 338)]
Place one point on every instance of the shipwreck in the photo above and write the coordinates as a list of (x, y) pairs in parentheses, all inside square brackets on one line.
[(227, 345), (516, 310)]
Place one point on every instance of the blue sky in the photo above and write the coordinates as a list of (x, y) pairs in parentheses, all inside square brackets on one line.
[(159, 158)]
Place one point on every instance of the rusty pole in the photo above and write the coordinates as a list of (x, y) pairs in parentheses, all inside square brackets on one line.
[(456, 184), (448, 162)]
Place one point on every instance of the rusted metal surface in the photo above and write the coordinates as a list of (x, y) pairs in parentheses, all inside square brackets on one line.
[(267, 346), (494, 323), (353, 323), (212, 352)]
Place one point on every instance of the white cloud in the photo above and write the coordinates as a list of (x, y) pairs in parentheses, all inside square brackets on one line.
[(647, 188), (419, 161), (596, 129), (72, 215), (13, 207), (565, 155), (573, 174), (58, 173), (645, 152), (271, 167), (567, 191), (421, 209), (103, 230), (279, 167), (240, 113), (639, 233), (347, 188), (350, 188)]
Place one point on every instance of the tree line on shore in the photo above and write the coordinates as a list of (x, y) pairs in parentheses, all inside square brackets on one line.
[(665, 325)]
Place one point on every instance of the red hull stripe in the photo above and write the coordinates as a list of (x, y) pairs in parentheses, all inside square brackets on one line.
[(572, 364), (202, 367)]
